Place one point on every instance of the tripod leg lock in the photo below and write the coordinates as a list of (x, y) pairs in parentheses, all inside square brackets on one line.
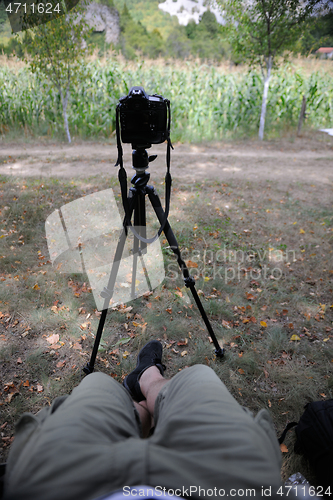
[(106, 293), (189, 281)]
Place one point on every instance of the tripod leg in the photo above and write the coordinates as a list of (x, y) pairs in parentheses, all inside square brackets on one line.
[(139, 247), (189, 280), (107, 293)]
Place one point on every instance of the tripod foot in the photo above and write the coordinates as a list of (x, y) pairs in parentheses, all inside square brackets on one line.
[(88, 369), (219, 353)]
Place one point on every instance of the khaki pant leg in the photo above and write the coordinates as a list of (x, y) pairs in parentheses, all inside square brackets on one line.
[(80, 448), (205, 439)]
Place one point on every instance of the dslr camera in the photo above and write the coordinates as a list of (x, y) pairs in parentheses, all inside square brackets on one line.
[(143, 117)]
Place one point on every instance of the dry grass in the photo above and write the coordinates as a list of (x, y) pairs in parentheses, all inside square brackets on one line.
[(262, 259)]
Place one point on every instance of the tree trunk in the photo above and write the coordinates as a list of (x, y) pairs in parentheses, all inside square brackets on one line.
[(301, 116), (64, 101), (264, 99)]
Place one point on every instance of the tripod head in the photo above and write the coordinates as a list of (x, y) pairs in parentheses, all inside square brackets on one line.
[(141, 162), (140, 157)]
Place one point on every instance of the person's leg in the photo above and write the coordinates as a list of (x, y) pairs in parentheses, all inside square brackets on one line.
[(204, 438), (81, 449), (151, 383), (146, 418)]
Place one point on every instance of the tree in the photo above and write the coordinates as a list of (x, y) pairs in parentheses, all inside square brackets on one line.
[(56, 49), (261, 30)]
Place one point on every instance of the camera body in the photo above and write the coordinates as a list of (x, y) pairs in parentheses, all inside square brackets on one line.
[(143, 117)]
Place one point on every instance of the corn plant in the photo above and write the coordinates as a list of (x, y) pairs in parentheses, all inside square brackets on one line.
[(208, 103)]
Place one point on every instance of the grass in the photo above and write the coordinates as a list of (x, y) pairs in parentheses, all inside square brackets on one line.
[(262, 259)]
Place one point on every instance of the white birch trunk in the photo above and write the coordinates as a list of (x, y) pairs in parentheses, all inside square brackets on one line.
[(264, 99), (64, 101)]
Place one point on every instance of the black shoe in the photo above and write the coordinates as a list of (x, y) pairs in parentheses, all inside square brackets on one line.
[(150, 355)]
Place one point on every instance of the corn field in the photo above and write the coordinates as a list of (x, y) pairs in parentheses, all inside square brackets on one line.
[(207, 103)]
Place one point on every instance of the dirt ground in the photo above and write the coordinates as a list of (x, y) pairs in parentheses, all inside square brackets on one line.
[(306, 159)]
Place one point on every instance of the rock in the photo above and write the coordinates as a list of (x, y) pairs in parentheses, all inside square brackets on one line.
[(102, 18)]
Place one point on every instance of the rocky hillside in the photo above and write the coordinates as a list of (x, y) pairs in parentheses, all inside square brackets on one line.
[(104, 19)]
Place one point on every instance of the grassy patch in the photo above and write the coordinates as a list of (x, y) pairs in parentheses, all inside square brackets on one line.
[(262, 260)]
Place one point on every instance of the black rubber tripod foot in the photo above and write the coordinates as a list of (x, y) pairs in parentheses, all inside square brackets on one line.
[(219, 353), (88, 369)]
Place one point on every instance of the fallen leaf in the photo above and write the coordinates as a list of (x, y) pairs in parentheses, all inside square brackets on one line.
[(323, 395), (40, 388), (36, 287), (19, 361), (53, 339), (291, 326), (125, 354), (169, 310), (263, 324), (301, 231), (249, 296), (10, 396), (284, 312), (26, 383), (295, 337), (60, 364), (263, 308), (54, 309), (77, 346), (185, 342), (241, 371), (190, 263), (283, 448), (183, 353)]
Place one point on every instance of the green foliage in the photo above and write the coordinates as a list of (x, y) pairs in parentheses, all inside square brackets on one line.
[(318, 33), (108, 3), (149, 15), (55, 50), (259, 31), (202, 40), (3, 15), (135, 37)]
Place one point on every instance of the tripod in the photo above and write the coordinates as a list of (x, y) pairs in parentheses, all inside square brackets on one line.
[(136, 203)]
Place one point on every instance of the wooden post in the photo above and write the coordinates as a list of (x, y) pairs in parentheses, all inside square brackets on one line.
[(301, 116)]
